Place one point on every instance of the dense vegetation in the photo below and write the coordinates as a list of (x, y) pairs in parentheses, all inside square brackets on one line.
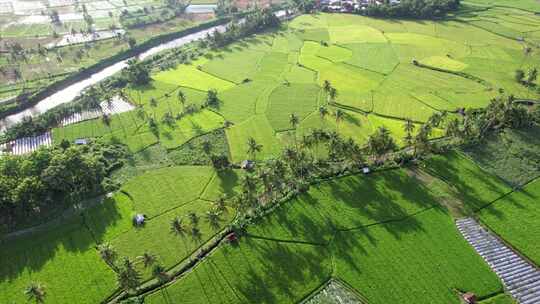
[(416, 9), (50, 178)]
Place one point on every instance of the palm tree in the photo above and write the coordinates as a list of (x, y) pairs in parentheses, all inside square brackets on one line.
[(327, 86), (332, 94), (328, 90), (253, 147), (452, 128), (148, 259), (339, 117), (193, 218), (153, 104), (128, 278), (196, 233), (106, 119), (293, 120), (409, 129), (36, 292), (177, 227), (108, 254), (159, 272), (206, 146), (141, 114), (323, 111), (213, 218), (181, 98), (219, 205), (380, 143)]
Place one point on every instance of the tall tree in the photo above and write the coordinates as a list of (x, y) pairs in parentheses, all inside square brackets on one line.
[(253, 147), (35, 292), (408, 127), (148, 259), (339, 114), (128, 277), (177, 227), (182, 99), (108, 254)]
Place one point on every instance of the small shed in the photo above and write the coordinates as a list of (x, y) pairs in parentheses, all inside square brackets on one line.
[(138, 219), (469, 297), (81, 141), (247, 164), (232, 238)]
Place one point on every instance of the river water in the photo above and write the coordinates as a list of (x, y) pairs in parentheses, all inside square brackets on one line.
[(71, 92)]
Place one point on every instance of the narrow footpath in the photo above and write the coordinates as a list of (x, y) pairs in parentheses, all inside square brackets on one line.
[(519, 277)]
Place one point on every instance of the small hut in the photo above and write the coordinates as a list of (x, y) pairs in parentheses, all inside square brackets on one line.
[(81, 141), (232, 238), (139, 219), (469, 298), (247, 164)]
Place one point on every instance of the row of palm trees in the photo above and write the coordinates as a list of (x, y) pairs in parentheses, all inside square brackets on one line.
[(274, 178)]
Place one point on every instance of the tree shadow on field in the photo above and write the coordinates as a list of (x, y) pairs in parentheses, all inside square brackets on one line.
[(300, 219), (351, 119), (379, 198), (271, 272), (471, 184), (77, 233), (228, 180)]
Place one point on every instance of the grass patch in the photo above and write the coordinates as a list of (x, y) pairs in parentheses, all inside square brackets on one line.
[(346, 203), (260, 129), (255, 271), (419, 260), (62, 258), (473, 186), (190, 76), (298, 99), (377, 57), (193, 152), (512, 154), (163, 189), (516, 219)]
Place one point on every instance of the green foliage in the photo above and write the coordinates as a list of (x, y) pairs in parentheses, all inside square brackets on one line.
[(199, 150), (421, 9), (53, 178), (136, 73)]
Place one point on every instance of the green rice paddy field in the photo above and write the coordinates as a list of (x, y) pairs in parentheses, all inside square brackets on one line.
[(263, 79), (384, 235), (387, 235)]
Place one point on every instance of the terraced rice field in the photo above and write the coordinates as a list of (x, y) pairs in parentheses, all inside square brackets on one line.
[(263, 79)]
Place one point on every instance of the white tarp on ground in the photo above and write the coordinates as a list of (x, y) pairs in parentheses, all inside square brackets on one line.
[(27, 144), (77, 38), (116, 106)]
